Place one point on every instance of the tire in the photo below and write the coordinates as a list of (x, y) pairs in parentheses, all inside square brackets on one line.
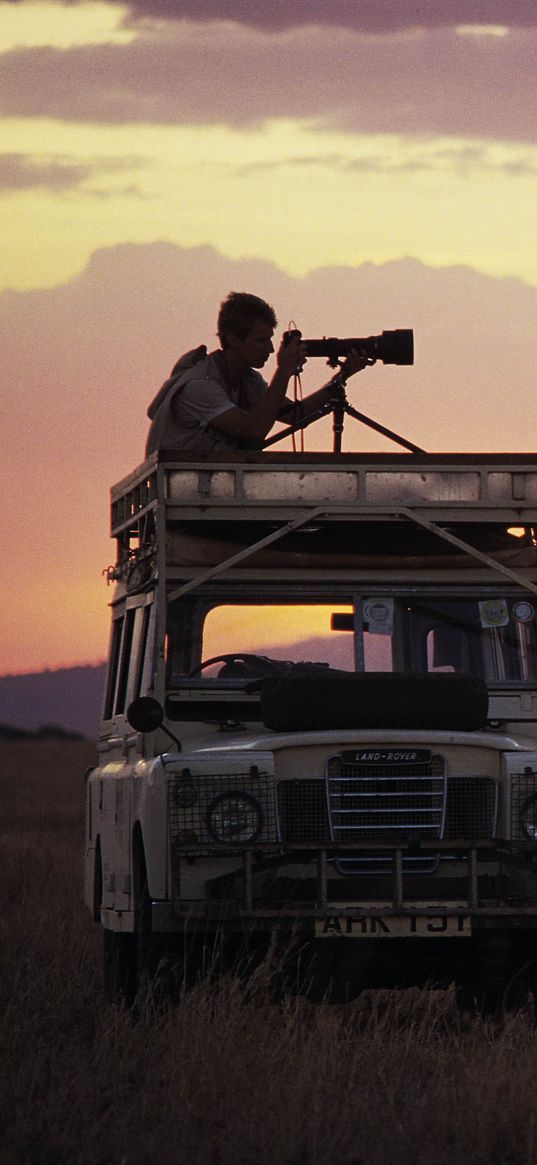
[(310, 698), (155, 976), (166, 964), (119, 967)]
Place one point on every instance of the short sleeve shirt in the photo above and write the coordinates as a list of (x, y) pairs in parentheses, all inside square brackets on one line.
[(184, 421), (200, 401)]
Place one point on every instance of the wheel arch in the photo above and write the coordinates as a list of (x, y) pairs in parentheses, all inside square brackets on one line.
[(139, 866), (97, 894)]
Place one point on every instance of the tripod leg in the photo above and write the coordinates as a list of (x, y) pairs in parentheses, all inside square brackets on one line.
[(352, 412), (337, 426)]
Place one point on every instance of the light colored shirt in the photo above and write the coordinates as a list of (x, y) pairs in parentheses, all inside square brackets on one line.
[(182, 412)]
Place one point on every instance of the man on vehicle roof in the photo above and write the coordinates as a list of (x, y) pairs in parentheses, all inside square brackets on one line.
[(218, 400)]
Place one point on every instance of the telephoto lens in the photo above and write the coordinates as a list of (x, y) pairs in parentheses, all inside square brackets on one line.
[(396, 347)]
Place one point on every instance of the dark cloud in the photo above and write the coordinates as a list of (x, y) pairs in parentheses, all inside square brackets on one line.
[(19, 172), (333, 161), (25, 172), (374, 16), (462, 160), (425, 83)]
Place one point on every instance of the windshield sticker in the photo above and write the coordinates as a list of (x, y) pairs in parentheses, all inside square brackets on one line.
[(378, 614), (524, 612), (493, 613)]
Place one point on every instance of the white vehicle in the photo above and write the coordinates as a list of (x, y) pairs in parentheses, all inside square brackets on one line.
[(320, 722)]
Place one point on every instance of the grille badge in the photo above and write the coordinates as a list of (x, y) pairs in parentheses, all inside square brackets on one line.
[(383, 756)]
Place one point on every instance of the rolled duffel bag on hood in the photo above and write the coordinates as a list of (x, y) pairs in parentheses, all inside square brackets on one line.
[(309, 698)]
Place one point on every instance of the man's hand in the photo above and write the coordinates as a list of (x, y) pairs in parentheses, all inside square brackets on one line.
[(291, 356), (355, 362)]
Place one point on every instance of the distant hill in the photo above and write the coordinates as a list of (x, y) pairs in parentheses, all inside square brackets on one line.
[(70, 700), (48, 732), (67, 700)]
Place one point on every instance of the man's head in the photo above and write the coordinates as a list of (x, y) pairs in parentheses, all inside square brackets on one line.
[(243, 316), (246, 327)]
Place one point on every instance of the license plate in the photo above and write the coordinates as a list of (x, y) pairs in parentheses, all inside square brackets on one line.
[(394, 926)]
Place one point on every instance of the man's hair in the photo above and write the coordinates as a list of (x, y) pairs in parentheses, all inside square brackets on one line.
[(239, 312)]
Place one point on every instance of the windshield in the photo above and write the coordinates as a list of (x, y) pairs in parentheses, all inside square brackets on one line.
[(490, 636)]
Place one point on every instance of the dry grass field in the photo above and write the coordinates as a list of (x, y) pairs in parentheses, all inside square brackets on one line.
[(394, 1079)]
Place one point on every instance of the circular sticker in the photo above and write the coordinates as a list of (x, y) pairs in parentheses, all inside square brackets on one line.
[(493, 613), (377, 612), (524, 611)]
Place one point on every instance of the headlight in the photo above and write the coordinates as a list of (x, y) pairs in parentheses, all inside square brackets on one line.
[(528, 817), (234, 817), (185, 795)]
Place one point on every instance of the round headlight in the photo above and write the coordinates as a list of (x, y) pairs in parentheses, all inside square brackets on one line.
[(528, 817), (185, 795), (234, 817)]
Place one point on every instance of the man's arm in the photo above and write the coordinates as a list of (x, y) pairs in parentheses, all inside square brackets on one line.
[(253, 424)]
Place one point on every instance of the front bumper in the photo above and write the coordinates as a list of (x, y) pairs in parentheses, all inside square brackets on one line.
[(260, 894)]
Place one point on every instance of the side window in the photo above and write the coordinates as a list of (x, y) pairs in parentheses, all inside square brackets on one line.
[(113, 666), (126, 646), (144, 614), (129, 659)]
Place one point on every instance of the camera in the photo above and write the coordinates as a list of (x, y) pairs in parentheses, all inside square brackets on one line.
[(396, 347)]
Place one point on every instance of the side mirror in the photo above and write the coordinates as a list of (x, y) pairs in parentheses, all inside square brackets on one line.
[(145, 714)]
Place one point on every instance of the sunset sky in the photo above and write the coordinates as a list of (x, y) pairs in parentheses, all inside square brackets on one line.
[(361, 165)]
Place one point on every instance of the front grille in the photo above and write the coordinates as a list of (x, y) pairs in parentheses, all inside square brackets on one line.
[(391, 800), (303, 811), (523, 786), (472, 808)]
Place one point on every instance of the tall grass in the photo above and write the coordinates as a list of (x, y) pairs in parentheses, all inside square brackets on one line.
[(227, 1077)]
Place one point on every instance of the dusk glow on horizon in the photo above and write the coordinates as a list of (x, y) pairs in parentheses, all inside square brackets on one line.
[(361, 166)]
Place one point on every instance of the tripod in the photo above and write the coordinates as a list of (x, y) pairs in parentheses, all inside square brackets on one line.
[(338, 405)]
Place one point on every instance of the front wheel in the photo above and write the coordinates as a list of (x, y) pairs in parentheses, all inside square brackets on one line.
[(119, 967), (166, 964), (155, 969)]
